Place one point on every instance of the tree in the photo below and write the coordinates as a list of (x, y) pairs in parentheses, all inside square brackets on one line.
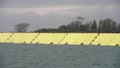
[(105, 26), (100, 26), (75, 26), (94, 26), (118, 28), (62, 28), (79, 19), (22, 27), (108, 25)]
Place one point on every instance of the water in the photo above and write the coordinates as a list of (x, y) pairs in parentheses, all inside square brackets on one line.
[(58, 56)]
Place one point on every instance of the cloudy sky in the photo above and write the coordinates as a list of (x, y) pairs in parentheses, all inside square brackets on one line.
[(53, 13)]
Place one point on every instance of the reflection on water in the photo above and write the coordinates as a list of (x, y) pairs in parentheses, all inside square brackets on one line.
[(54, 56)]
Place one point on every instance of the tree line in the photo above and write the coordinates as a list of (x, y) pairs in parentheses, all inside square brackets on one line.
[(78, 25), (103, 26)]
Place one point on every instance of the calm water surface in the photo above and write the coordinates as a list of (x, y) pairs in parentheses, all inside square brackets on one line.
[(58, 56)]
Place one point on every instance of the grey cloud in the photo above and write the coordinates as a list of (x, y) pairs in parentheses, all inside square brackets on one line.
[(47, 21), (44, 3), (53, 20)]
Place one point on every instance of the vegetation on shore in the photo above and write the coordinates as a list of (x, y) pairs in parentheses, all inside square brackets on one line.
[(103, 26)]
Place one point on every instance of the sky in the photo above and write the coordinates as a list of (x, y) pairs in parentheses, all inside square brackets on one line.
[(53, 13)]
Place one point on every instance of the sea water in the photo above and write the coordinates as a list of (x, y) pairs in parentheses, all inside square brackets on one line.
[(58, 56)]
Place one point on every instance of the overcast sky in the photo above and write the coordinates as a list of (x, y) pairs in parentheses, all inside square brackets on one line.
[(53, 13)]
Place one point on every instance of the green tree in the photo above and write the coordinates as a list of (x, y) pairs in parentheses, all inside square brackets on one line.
[(22, 27), (108, 25), (100, 26), (63, 28), (118, 28), (76, 25), (94, 26)]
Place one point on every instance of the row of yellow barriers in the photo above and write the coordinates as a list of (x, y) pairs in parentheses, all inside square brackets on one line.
[(111, 39)]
